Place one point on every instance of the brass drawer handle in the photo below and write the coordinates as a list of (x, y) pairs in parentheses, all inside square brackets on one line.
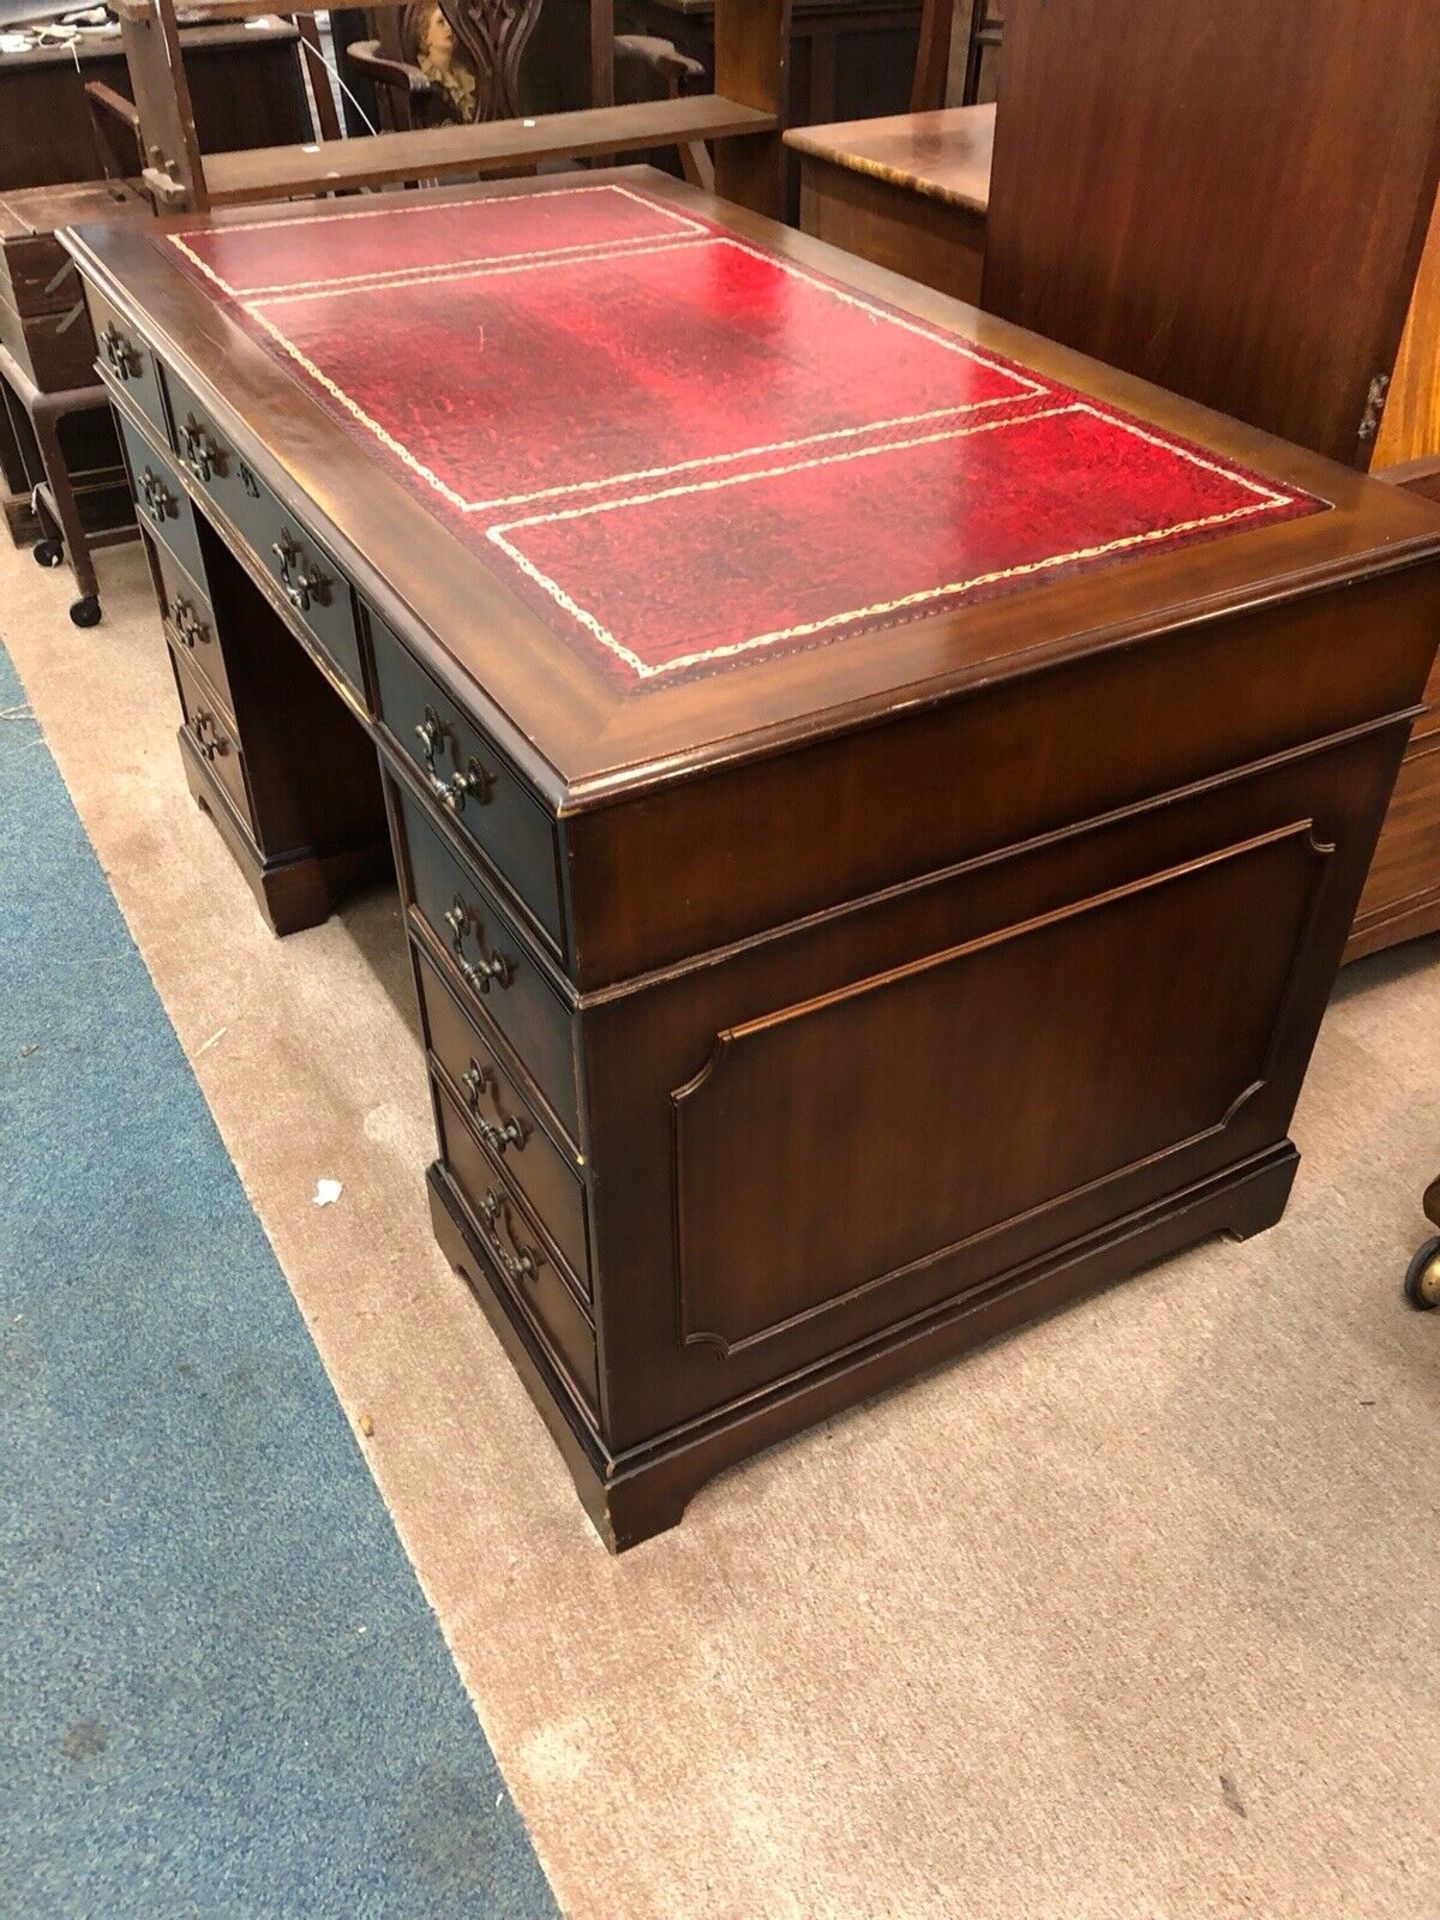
[(191, 629), (516, 1262), (122, 357), (302, 584), (491, 968), (471, 782), (157, 499), (510, 1131), (208, 737), (201, 454)]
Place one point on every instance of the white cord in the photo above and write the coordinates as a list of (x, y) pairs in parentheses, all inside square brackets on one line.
[(333, 73)]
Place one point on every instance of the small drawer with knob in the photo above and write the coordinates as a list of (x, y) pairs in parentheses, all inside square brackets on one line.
[(467, 776), (307, 578), (502, 976), (126, 364), (190, 623), (210, 734), (516, 1250), (162, 505), (510, 1129)]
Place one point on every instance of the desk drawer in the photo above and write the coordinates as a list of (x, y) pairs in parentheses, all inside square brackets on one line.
[(306, 575), (517, 1252), (161, 503), (507, 1125), (212, 732), (482, 793), (489, 953), (127, 363), (190, 623)]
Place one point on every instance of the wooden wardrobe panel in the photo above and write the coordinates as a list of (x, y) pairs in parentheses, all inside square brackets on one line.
[(1229, 197)]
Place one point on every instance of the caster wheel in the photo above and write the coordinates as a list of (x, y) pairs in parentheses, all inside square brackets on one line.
[(1422, 1282), (48, 553), (86, 612)]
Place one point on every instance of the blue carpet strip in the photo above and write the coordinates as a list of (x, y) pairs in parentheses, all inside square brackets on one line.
[(223, 1692)]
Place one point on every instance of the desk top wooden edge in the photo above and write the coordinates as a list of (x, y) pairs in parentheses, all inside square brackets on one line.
[(901, 149), (586, 741)]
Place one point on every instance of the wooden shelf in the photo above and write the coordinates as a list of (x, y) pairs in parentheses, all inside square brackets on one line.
[(437, 153)]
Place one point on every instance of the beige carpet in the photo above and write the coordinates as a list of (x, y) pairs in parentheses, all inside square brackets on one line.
[(1133, 1615)]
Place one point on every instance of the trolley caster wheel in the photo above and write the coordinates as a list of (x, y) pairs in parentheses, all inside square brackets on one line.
[(1422, 1282), (86, 612), (48, 553)]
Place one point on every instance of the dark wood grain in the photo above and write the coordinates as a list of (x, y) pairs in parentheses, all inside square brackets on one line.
[(439, 153), (1232, 201), (1220, 204)]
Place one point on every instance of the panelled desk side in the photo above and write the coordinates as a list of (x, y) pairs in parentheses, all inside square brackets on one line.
[(793, 1028)]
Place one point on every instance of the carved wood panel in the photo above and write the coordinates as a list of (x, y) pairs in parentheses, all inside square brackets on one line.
[(831, 1147)]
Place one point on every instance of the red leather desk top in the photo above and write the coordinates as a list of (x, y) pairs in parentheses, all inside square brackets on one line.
[(684, 451)]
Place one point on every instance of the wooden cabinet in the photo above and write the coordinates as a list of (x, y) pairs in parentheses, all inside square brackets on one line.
[(1239, 203), (909, 192), (245, 84)]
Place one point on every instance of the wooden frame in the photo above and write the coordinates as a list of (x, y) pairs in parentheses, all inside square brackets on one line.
[(743, 115)]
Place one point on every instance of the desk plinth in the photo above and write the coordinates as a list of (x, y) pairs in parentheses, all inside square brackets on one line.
[(871, 876)]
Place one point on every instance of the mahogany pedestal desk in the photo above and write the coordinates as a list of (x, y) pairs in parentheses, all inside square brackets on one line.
[(878, 798)]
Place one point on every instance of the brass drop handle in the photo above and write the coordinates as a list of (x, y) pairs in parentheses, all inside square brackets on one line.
[(201, 455), (302, 584), (156, 498), (471, 783), (208, 737), (516, 1262), (490, 968), (192, 630), (509, 1131), (121, 356)]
